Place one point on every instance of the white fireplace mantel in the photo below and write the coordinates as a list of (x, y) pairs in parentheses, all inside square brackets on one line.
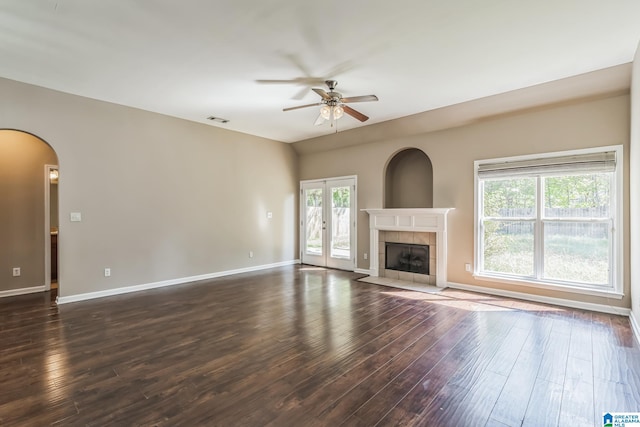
[(429, 220)]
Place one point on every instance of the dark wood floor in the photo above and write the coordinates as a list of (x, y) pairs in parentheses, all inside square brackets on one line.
[(303, 346)]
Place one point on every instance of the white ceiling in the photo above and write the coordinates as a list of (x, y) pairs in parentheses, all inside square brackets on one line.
[(197, 58)]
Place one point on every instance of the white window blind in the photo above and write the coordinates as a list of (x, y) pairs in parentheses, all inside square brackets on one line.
[(592, 162)]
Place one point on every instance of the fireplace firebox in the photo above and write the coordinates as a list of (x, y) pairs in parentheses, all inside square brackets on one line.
[(407, 257)]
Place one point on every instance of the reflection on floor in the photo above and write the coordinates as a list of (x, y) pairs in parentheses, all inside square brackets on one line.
[(411, 286)]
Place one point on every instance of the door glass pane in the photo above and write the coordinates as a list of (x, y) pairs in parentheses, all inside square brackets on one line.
[(340, 222), (577, 252), (313, 206), (508, 247)]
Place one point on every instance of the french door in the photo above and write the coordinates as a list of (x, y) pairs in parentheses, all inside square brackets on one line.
[(328, 222)]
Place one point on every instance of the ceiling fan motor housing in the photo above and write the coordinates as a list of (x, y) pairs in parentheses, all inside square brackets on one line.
[(335, 96)]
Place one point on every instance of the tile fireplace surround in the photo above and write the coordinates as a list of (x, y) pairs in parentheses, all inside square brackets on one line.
[(412, 238), (418, 220)]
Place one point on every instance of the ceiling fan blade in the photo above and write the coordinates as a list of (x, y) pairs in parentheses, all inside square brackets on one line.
[(301, 106), (302, 81), (355, 114), (270, 82), (305, 82), (364, 98), (301, 93), (322, 93), (295, 60), (319, 120)]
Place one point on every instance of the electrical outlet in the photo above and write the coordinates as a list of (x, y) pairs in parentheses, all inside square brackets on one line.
[(107, 272), (467, 267), (16, 271), (366, 255), (250, 254), (269, 215)]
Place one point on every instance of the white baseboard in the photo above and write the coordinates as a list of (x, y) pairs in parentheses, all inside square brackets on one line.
[(22, 291), (635, 326), (161, 284), (362, 271), (547, 300)]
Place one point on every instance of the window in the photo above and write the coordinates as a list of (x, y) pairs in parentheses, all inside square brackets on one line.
[(551, 221)]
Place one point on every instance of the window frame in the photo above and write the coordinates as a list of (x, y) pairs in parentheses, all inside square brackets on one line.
[(615, 290)]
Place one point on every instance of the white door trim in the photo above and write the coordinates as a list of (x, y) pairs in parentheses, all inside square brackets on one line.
[(47, 226), (354, 217)]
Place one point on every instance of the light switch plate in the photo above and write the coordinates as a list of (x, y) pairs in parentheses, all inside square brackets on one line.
[(75, 216), (269, 215)]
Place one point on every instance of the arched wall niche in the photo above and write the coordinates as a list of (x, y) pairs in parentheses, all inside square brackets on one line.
[(408, 180)]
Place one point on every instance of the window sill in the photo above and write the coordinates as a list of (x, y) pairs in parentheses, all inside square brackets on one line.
[(607, 293)]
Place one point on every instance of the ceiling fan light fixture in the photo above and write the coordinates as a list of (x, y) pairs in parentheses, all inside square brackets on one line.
[(331, 112), (325, 112), (338, 112)]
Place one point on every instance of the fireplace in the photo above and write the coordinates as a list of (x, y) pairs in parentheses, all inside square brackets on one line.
[(422, 226), (407, 257)]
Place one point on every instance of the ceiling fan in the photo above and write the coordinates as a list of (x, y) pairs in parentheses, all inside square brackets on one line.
[(333, 104)]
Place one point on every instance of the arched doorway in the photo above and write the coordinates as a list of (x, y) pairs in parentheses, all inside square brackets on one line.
[(408, 180), (28, 213)]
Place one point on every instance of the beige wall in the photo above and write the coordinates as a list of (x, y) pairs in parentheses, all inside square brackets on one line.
[(161, 198), (22, 178), (592, 123), (635, 186)]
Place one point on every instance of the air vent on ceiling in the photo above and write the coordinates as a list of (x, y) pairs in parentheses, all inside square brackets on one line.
[(217, 119)]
